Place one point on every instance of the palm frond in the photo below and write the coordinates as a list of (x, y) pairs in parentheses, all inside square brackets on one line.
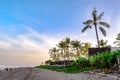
[(100, 16), (85, 28), (118, 37), (106, 41), (103, 31), (88, 22), (104, 24), (115, 42), (94, 13)]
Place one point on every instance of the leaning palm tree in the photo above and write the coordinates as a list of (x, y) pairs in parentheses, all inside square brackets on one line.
[(96, 23), (117, 42), (103, 43), (53, 53)]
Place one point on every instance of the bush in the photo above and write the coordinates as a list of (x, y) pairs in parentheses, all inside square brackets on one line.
[(81, 63), (48, 62), (104, 60)]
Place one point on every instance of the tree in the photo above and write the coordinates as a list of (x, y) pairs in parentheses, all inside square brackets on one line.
[(85, 48), (53, 53), (62, 48), (67, 41), (96, 23), (117, 42), (103, 43), (77, 45)]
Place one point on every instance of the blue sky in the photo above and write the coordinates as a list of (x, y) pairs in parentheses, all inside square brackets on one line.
[(28, 28)]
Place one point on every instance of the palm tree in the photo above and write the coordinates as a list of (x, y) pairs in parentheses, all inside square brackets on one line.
[(68, 41), (53, 53), (62, 47), (77, 45), (103, 43), (117, 42), (85, 48), (95, 22)]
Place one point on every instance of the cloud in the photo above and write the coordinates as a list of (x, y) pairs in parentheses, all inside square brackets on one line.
[(31, 47), (24, 48)]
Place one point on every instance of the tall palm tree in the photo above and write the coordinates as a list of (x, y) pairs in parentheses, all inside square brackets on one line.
[(62, 47), (53, 53), (77, 45), (96, 23), (68, 41), (117, 42), (103, 43)]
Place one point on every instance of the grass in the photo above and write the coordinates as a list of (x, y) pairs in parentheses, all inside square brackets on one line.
[(66, 70)]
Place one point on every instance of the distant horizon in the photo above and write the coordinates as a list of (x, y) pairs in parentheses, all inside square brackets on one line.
[(29, 28)]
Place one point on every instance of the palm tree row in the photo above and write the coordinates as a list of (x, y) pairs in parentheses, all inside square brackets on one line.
[(68, 49)]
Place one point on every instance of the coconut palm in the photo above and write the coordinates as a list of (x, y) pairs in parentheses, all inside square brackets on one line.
[(67, 41), (103, 43), (77, 45), (62, 47), (117, 42), (96, 23), (53, 53), (85, 48)]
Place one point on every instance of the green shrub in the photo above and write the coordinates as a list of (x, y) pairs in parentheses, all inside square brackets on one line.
[(81, 63), (104, 60)]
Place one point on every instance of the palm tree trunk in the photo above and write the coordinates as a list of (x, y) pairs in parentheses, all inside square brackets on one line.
[(68, 54), (97, 36), (68, 57), (64, 58), (77, 53)]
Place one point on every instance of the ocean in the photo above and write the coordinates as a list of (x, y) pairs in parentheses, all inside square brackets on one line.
[(2, 67)]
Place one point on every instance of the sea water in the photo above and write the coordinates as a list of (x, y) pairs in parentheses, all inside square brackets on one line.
[(2, 67)]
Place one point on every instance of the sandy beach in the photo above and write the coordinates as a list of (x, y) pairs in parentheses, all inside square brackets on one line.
[(42, 74)]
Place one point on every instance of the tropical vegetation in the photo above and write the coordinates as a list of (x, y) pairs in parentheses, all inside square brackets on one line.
[(117, 42), (77, 51), (68, 49), (103, 43), (96, 23), (106, 61)]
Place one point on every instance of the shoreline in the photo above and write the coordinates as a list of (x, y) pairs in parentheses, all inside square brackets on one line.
[(30, 73)]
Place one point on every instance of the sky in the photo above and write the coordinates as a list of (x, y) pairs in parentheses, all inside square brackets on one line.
[(29, 28)]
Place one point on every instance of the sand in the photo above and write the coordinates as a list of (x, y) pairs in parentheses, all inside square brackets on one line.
[(43, 74)]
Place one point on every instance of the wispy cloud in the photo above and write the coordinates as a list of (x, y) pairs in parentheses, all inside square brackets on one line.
[(31, 47), (31, 44)]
